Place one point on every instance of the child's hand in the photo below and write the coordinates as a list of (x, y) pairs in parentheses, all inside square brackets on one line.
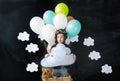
[(46, 55), (74, 56)]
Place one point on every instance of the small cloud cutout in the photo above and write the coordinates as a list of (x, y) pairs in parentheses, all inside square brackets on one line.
[(94, 55), (32, 48), (74, 39), (106, 69), (88, 41), (32, 67), (23, 36), (40, 37)]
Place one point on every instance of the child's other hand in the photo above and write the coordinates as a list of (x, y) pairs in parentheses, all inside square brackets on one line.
[(74, 56)]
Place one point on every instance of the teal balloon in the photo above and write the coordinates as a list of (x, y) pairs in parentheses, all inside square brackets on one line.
[(73, 28), (48, 17)]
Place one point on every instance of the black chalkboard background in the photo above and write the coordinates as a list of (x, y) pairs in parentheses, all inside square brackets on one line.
[(100, 20)]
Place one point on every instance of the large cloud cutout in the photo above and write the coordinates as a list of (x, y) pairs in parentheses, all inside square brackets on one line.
[(60, 55)]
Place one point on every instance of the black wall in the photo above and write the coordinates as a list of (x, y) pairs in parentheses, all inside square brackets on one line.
[(99, 18)]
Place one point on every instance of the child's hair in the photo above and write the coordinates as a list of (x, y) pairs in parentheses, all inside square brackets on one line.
[(60, 31)]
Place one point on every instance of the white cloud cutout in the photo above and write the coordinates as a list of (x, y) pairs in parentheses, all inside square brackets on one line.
[(88, 41), (94, 55), (23, 36), (32, 48), (32, 67), (106, 69), (40, 37), (74, 39)]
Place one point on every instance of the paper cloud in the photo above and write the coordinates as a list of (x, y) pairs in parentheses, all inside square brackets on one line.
[(40, 37), (23, 36), (106, 69), (88, 41), (32, 67), (94, 55), (60, 55), (74, 39), (32, 48)]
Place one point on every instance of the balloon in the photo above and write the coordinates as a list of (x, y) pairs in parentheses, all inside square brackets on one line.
[(48, 33), (62, 8), (36, 24), (60, 21), (73, 28), (48, 16), (70, 18)]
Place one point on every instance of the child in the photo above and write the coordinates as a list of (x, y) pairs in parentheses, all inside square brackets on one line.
[(59, 55)]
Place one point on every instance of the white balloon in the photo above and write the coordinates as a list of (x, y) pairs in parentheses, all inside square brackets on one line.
[(48, 33), (60, 21), (36, 24)]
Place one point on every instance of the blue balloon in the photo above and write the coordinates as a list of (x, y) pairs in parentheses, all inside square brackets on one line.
[(48, 17), (73, 28)]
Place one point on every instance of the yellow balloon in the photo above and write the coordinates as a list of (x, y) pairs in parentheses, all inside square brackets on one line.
[(62, 8)]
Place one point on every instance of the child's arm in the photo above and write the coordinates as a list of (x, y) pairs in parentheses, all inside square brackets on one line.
[(48, 50)]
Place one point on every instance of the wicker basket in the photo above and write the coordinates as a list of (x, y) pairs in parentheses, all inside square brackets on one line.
[(47, 76)]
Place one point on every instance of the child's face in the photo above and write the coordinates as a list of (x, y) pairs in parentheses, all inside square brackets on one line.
[(60, 38)]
